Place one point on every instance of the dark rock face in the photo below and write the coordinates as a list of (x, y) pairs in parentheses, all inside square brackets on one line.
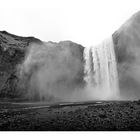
[(127, 48), (13, 51), (77, 53)]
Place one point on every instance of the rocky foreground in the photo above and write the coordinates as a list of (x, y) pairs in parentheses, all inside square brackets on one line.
[(87, 116)]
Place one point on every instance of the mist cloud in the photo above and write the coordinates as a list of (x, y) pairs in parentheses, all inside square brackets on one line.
[(52, 71)]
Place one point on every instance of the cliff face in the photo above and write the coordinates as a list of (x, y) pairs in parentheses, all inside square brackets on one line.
[(14, 51), (127, 48)]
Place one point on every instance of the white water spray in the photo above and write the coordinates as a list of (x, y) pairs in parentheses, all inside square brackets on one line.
[(101, 70)]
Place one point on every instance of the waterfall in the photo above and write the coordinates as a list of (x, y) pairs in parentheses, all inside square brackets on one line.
[(101, 70)]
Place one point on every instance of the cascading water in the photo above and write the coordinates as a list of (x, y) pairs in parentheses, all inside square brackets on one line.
[(101, 70)]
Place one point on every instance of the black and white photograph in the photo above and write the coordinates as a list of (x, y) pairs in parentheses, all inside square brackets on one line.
[(69, 65)]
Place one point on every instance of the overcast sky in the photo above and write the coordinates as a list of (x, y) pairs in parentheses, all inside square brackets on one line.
[(83, 21)]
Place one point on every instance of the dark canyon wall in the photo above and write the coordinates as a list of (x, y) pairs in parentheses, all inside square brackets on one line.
[(127, 48)]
